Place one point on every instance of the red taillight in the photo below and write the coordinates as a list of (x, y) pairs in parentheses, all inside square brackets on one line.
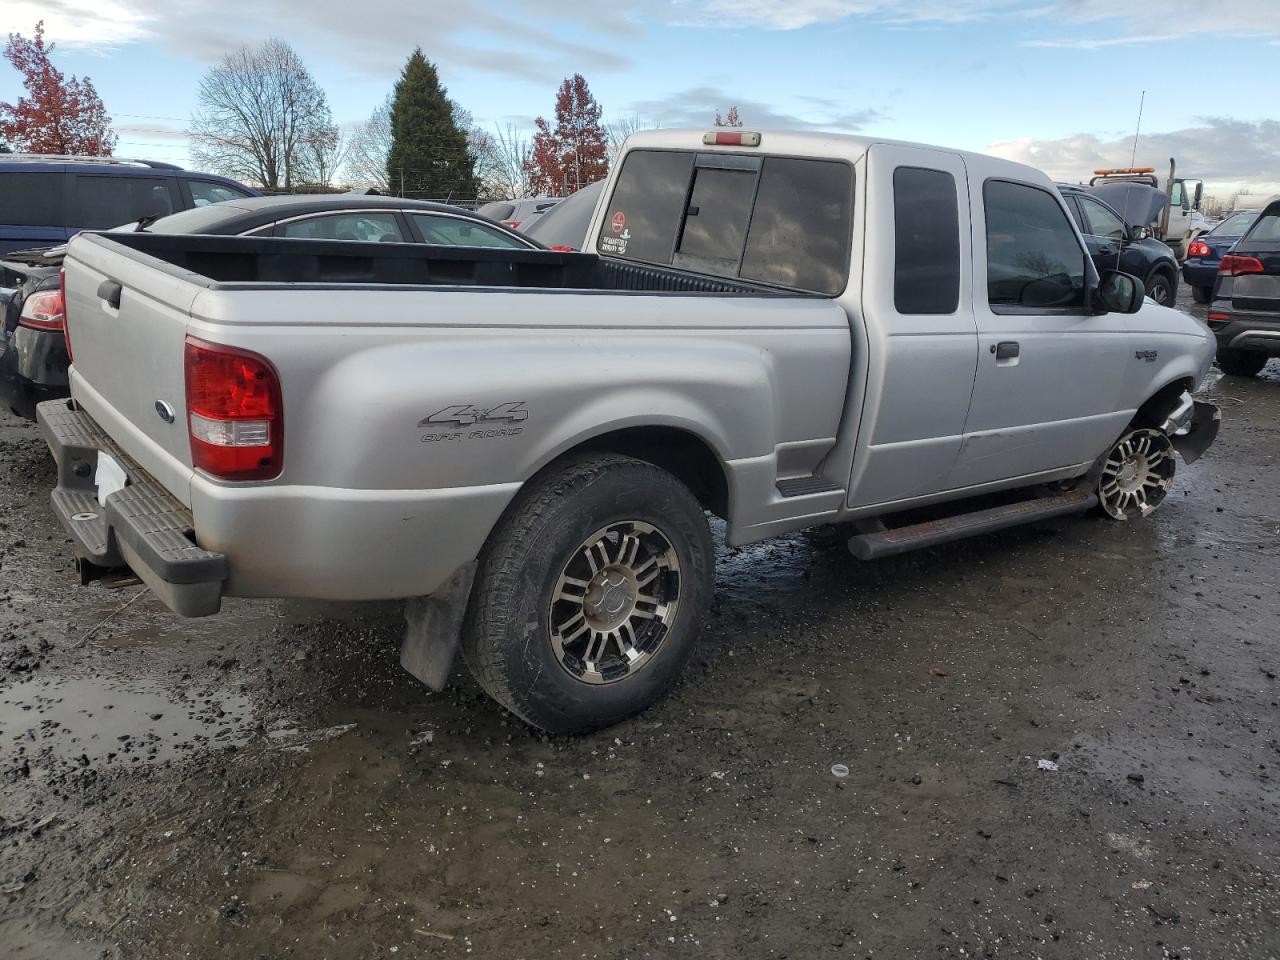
[(513, 224), (738, 138), (1198, 249), (561, 248), (234, 413), (44, 310), (1233, 266), (1219, 315)]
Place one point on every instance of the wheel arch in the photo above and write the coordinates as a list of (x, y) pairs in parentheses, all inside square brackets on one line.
[(682, 452), (1153, 411)]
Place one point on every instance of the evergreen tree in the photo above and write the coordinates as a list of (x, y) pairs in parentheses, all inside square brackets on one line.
[(429, 159)]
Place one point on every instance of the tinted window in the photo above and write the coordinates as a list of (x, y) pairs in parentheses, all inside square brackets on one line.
[(645, 210), (926, 223), (206, 219), (368, 227), (31, 199), (456, 232), (1266, 230), (799, 234), (1033, 256), (110, 201), (204, 193), (1101, 222), (715, 222)]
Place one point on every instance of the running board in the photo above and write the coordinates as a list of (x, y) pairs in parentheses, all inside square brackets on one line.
[(887, 543)]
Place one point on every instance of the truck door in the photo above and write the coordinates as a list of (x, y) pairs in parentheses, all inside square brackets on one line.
[(1049, 375), (917, 311)]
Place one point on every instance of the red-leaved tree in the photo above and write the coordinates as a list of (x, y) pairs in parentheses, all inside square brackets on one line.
[(58, 115), (575, 153), (731, 119)]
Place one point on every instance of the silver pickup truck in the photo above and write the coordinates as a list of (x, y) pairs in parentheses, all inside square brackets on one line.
[(780, 329)]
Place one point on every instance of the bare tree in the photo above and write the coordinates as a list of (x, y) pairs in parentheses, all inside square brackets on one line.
[(368, 149), (257, 109), (501, 161), (321, 155), (617, 131)]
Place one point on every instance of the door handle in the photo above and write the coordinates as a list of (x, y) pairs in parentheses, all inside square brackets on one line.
[(1006, 349)]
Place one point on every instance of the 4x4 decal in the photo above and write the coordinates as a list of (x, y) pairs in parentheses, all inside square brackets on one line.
[(467, 414)]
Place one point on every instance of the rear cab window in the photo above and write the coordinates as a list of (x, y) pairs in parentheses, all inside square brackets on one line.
[(926, 272), (776, 220)]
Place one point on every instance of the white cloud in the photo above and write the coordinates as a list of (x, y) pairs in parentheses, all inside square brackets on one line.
[(1227, 154), (79, 23)]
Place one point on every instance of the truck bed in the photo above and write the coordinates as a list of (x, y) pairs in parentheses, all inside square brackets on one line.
[(223, 262)]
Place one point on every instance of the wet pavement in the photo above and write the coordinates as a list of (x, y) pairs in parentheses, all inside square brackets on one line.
[(269, 783)]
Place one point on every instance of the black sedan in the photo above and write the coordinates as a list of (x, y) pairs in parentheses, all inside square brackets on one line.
[(33, 351), (1114, 245)]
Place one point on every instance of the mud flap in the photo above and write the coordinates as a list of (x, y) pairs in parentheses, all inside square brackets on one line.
[(1203, 430), (434, 626)]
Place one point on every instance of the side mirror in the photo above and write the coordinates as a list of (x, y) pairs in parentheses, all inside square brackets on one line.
[(1139, 233), (1117, 292)]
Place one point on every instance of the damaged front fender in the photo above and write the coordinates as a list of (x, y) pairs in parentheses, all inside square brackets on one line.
[(1192, 427)]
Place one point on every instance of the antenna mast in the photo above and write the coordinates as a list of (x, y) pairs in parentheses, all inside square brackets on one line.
[(1134, 156)]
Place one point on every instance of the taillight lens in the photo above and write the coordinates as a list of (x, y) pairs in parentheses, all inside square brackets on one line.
[(1233, 266), (1198, 249), (1219, 316), (44, 310), (562, 248), (234, 412), (513, 224)]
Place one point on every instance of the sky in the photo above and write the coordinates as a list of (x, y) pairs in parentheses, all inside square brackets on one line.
[(1055, 83)]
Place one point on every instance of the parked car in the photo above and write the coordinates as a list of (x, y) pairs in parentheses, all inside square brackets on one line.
[(565, 226), (1245, 312), (45, 200), (1114, 245), (525, 443), (518, 214), (33, 354), (1205, 253)]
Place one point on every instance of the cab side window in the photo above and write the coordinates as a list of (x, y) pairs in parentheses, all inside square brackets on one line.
[(926, 228), (1101, 222), (1034, 261)]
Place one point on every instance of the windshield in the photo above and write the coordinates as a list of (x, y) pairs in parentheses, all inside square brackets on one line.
[(1235, 225)]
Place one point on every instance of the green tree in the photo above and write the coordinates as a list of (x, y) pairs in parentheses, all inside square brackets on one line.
[(429, 159)]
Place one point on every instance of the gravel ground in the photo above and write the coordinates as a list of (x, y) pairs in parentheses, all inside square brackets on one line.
[(268, 783)]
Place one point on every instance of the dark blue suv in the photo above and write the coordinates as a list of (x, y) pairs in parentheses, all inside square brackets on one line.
[(45, 200)]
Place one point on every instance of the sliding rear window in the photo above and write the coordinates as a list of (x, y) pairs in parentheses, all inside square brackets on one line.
[(775, 220)]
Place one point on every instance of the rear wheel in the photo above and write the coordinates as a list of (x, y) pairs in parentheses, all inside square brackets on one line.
[(1241, 363), (590, 595), (1137, 474), (1202, 294), (1162, 288)]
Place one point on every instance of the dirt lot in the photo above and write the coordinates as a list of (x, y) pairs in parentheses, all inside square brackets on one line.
[(270, 784)]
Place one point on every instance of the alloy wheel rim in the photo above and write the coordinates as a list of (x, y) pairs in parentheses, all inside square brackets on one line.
[(1137, 475), (614, 602)]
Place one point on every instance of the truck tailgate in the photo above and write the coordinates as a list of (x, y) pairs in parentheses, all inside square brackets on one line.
[(128, 324)]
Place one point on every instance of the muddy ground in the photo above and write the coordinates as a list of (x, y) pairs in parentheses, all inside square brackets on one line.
[(269, 783)]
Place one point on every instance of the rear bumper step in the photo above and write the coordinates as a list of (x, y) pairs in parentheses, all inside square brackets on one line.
[(887, 543), (141, 526)]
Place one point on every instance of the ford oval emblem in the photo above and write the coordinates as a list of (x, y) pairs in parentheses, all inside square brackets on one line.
[(165, 411)]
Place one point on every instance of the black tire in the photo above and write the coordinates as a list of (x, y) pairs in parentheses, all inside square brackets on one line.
[(507, 637), (1202, 294), (1241, 363), (1162, 287)]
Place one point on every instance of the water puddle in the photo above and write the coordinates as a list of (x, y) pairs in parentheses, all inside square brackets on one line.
[(46, 724)]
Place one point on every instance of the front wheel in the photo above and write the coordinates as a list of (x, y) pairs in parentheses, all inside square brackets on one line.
[(1202, 294), (590, 594), (1241, 363), (1137, 474), (1162, 289)]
